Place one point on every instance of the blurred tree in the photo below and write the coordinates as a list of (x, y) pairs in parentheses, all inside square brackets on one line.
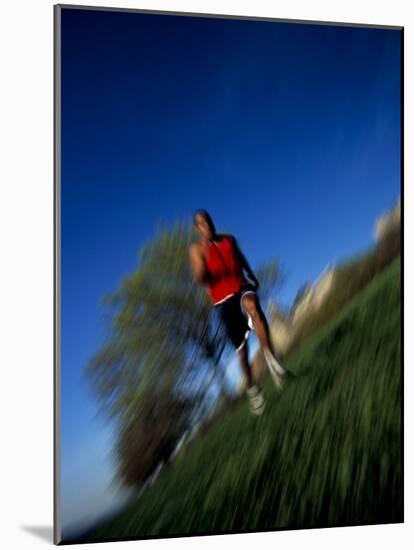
[(161, 356)]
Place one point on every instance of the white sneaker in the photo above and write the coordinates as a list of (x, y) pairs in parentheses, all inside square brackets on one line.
[(257, 402), (276, 370)]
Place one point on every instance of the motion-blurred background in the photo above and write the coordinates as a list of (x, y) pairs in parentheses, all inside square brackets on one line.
[(289, 134)]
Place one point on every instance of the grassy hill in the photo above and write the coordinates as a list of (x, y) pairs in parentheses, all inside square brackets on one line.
[(327, 452)]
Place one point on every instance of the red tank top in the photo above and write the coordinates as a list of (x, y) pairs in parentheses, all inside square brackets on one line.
[(224, 269)]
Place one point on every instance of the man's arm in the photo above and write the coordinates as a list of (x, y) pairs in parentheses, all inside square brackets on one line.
[(198, 265), (245, 263)]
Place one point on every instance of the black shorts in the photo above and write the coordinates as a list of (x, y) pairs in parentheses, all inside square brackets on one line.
[(236, 321)]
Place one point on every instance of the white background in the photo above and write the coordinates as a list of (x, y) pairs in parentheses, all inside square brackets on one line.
[(26, 260)]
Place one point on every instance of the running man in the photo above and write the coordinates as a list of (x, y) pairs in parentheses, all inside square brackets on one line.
[(217, 262)]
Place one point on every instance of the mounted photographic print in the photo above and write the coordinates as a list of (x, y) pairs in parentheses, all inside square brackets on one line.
[(227, 274)]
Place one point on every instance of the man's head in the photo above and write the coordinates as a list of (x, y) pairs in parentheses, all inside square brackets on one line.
[(204, 224)]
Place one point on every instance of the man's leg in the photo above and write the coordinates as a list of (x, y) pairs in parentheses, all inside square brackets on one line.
[(237, 332), (252, 307), (254, 393), (245, 366)]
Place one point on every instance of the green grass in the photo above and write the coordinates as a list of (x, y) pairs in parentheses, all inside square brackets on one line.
[(326, 452)]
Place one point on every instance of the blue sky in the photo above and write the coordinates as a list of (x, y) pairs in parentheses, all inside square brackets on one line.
[(288, 134)]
